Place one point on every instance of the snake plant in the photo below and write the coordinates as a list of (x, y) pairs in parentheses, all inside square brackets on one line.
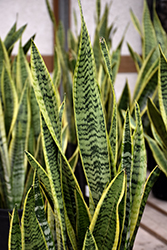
[(117, 196), (19, 114), (152, 34), (157, 116), (65, 61)]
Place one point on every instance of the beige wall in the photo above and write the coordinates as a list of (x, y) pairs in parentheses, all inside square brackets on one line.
[(32, 12), (119, 13)]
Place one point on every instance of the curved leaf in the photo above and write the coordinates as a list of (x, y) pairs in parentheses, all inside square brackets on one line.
[(157, 121), (32, 234), (40, 214), (45, 92), (162, 79), (158, 154), (89, 242), (148, 186), (105, 222), (14, 240)]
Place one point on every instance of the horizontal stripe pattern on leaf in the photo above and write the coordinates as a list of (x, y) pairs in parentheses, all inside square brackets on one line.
[(89, 117)]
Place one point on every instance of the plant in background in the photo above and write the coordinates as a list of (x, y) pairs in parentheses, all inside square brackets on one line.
[(19, 114), (116, 196), (158, 118), (152, 34)]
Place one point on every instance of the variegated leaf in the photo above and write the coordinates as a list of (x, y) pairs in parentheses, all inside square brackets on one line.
[(139, 170), (89, 117), (105, 222), (14, 240), (32, 234)]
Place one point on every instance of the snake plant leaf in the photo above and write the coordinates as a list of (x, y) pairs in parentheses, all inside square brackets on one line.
[(126, 163), (45, 92), (149, 89), (18, 144), (89, 242), (101, 31), (32, 234), (149, 36), (52, 160), (57, 70), (40, 214), (162, 86), (43, 177), (139, 169), (3, 57), (82, 219), (72, 42), (125, 100), (115, 59), (64, 138), (73, 160), (10, 34), (69, 185), (98, 11), (61, 110), (67, 83), (158, 154), (113, 137), (106, 56), (105, 222), (22, 71), (27, 45), (147, 188), (9, 98), (136, 58), (122, 214), (89, 118), (5, 163), (136, 23), (35, 114), (112, 118), (9, 43), (159, 31), (51, 14), (157, 121), (14, 240), (145, 71)]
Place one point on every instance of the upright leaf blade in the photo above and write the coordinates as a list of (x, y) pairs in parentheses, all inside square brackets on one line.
[(147, 188), (162, 80), (105, 222), (139, 170), (18, 144), (32, 234), (89, 117), (14, 240), (53, 166), (89, 242), (40, 214), (45, 92)]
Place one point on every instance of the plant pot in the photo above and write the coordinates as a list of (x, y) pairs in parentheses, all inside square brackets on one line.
[(4, 227)]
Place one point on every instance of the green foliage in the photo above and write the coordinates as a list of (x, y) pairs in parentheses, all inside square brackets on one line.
[(158, 118), (66, 60), (152, 34), (19, 113), (117, 195)]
